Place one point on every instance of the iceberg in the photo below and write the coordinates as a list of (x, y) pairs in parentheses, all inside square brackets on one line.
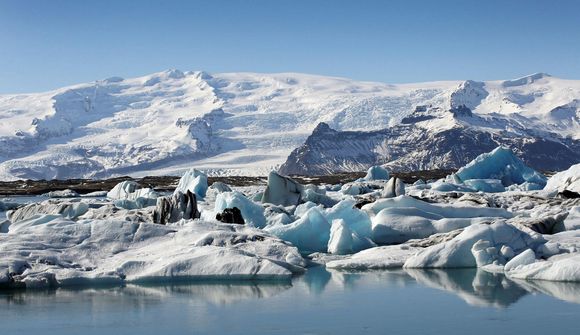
[(568, 180), (500, 164), (51, 251), (194, 181), (377, 258), (486, 185), (357, 220), (127, 195), (442, 210), (66, 209), (394, 188), (310, 233), (457, 253), (62, 194), (564, 267), (399, 224), (377, 173), (220, 187), (343, 240), (282, 190)]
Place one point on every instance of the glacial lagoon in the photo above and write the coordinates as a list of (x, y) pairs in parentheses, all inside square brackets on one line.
[(461, 301)]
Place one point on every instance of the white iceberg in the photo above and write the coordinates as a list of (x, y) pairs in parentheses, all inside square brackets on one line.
[(385, 257), (443, 210), (343, 240), (53, 251), (400, 224), (377, 173), (568, 180), (194, 181), (67, 209), (282, 190), (128, 195), (457, 252)]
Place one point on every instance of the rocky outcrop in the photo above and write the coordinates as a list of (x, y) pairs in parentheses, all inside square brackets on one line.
[(409, 147), (176, 207), (231, 215)]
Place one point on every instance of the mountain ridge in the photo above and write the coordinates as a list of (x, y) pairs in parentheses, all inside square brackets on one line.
[(248, 123)]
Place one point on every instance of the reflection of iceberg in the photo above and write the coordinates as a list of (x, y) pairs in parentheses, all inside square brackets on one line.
[(352, 279), (212, 293), (475, 287), (316, 279), (560, 290)]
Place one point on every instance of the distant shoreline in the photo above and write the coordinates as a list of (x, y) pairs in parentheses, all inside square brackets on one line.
[(168, 183)]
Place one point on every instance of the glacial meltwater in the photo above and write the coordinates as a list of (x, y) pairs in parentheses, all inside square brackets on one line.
[(319, 302)]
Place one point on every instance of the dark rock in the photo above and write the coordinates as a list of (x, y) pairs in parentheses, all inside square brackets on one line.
[(569, 194), (231, 215), (176, 207)]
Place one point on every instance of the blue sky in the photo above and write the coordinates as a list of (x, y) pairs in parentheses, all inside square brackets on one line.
[(50, 44)]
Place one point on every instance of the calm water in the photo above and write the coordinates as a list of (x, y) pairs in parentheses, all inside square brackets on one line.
[(320, 302)]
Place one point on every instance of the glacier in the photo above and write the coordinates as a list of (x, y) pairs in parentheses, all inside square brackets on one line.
[(249, 124)]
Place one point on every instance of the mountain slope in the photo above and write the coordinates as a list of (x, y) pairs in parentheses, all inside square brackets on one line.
[(248, 123)]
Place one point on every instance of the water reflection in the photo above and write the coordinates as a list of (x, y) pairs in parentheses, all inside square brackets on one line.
[(475, 287), (214, 293)]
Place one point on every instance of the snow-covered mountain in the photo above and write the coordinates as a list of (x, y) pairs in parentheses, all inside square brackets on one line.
[(248, 123)]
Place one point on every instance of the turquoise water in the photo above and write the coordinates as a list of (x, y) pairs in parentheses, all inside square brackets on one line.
[(319, 302)]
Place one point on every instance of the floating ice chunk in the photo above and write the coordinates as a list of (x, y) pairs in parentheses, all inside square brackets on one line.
[(394, 188), (343, 240), (565, 267), (524, 258), (96, 194), (377, 173), (376, 258), (445, 211), (303, 208), (485, 185), (313, 196), (358, 221), (220, 187), (273, 219), (501, 164), (127, 195), (62, 194), (310, 233), (68, 209), (282, 190), (194, 181), (572, 221), (354, 188), (252, 213), (457, 252), (444, 186), (52, 251), (527, 186), (568, 180), (398, 225)]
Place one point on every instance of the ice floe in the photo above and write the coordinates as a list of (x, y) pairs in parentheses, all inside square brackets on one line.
[(62, 252)]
